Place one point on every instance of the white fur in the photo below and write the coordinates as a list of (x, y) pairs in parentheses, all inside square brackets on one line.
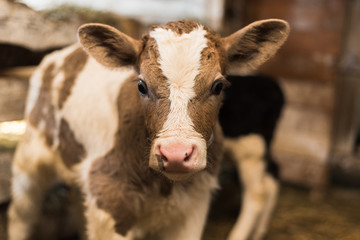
[(180, 58), (57, 58), (194, 206), (180, 62), (57, 84), (92, 113), (21, 184), (183, 214), (34, 89), (91, 109)]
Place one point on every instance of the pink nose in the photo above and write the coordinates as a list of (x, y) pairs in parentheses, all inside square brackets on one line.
[(178, 157)]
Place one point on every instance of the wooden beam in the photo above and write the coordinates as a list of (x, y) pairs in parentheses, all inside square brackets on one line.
[(18, 72)]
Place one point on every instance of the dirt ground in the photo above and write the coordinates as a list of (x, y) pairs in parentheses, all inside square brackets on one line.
[(297, 217)]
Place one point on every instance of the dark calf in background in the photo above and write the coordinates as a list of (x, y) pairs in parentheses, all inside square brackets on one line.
[(249, 117), (253, 105)]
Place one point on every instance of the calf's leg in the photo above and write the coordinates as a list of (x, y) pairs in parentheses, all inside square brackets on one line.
[(260, 189), (33, 173), (271, 196)]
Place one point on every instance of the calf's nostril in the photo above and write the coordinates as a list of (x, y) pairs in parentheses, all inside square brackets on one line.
[(188, 155), (164, 158)]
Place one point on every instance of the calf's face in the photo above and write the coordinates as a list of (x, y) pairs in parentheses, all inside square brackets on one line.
[(181, 76)]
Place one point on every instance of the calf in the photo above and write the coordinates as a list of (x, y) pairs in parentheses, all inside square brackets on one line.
[(134, 124), (248, 117)]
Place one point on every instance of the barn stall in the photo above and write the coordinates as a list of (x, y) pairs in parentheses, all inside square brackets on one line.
[(316, 143)]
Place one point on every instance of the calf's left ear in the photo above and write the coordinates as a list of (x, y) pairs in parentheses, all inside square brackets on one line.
[(109, 46), (252, 45)]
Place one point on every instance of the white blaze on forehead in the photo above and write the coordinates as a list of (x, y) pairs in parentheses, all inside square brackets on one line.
[(179, 61)]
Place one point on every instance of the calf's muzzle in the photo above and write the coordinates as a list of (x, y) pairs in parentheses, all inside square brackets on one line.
[(177, 157)]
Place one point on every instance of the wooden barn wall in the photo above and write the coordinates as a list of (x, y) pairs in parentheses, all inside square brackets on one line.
[(314, 46), (346, 147), (13, 92)]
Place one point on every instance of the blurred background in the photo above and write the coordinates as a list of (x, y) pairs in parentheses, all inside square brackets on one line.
[(317, 142)]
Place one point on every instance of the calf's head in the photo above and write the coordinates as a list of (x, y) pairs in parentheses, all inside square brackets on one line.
[(181, 74)]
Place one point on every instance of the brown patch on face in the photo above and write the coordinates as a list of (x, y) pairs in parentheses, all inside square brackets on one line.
[(71, 150), (43, 109), (121, 180), (216, 49), (204, 108), (204, 115), (215, 151), (156, 104), (73, 65)]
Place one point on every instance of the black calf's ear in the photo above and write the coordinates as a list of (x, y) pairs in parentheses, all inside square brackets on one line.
[(109, 46), (251, 46)]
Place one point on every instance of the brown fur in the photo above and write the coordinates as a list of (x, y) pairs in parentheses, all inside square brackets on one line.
[(251, 46), (71, 150), (157, 104), (215, 151), (120, 180), (205, 107), (179, 27), (102, 41), (43, 109), (214, 43), (73, 65), (256, 37)]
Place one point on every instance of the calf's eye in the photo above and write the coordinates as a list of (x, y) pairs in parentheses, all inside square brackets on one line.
[(143, 89), (217, 87)]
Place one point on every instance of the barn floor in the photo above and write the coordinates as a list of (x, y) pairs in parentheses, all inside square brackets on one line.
[(297, 217), (337, 216)]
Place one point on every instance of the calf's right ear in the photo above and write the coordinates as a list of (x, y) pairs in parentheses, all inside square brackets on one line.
[(109, 46), (251, 46)]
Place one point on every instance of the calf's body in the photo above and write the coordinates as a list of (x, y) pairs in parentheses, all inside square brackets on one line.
[(135, 125), (249, 116)]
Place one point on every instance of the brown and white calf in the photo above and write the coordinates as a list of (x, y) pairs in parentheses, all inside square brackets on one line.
[(134, 123)]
